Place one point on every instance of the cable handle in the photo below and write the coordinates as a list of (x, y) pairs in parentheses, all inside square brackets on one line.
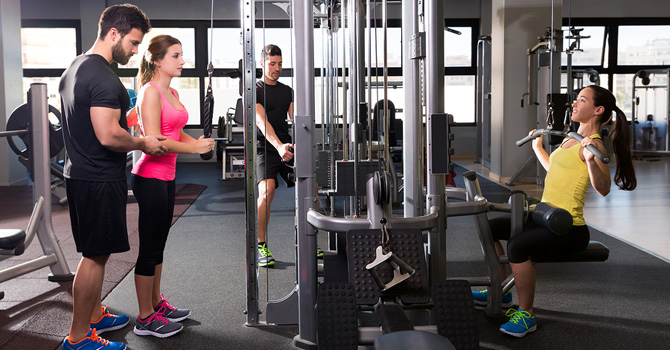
[(573, 135)]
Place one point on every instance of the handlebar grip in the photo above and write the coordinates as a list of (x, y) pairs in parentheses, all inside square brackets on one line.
[(603, 158), (207, 156), (529, 137)]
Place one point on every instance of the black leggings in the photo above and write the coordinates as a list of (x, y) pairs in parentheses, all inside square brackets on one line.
[(156, 201), (536, 240)]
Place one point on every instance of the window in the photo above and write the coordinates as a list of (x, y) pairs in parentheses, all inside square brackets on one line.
[(227, 47), (644, 45), (48, 47), (185, 35), (592, 47), (458, 47), (459, 98)]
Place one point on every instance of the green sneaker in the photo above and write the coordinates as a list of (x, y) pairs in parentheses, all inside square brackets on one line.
[(520, 323), (264, 256), (319, 252)]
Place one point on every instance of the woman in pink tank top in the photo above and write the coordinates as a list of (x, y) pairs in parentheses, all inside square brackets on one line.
[(160, 113)]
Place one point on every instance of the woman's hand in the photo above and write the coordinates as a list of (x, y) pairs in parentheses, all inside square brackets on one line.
[(537, 142), (589, 157), (204, 145)]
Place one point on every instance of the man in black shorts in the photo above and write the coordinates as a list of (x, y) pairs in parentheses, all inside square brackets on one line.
[(274, 102), (93, 103)]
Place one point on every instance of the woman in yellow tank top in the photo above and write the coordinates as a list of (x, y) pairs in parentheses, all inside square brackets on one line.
[(570, 170)]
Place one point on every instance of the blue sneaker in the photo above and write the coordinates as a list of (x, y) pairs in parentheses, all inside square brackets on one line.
[(109, 322), (92, 342), (480, 298), (520, 323)]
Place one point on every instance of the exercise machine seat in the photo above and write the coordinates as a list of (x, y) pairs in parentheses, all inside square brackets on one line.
[(11, 239), (594, 252), (404, 340)]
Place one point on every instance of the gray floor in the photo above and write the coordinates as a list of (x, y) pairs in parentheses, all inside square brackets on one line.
[(611, 305)]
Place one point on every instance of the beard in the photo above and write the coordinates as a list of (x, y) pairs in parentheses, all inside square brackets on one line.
[(119, 55)]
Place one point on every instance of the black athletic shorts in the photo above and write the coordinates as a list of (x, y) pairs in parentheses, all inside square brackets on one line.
[(98, 216), (269, 165)]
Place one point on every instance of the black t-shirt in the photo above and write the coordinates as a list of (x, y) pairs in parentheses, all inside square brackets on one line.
[(276, 99), (91, 82)]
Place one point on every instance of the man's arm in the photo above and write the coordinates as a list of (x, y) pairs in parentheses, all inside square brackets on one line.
[(111, 135), (269, 132)]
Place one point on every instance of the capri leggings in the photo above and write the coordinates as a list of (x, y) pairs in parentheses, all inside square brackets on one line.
[(156, 201), (536, 240)]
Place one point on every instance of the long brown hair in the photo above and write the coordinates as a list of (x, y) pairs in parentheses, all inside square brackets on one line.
[(157, 49), (624, 177)]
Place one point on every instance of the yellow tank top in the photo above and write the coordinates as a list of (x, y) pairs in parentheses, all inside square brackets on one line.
[(567, 181)]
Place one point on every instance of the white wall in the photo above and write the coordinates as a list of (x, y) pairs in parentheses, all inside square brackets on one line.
[(11, 85)]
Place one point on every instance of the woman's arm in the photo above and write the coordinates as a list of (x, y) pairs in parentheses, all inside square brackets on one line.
[(599, 172), (540, 153), (150, 112)]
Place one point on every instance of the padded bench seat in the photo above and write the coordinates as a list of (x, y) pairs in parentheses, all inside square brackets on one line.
[(594, 252), (11, 238)]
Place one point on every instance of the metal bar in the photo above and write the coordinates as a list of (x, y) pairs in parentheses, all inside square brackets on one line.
[(40, 151), (14, 133), (434, 106), (412, 165), (249, 113), (305, 172)]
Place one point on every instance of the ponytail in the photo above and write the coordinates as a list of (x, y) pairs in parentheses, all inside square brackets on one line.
[(146, 70), (624, 176)]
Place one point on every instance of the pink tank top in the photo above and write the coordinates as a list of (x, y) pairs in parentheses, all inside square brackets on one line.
[(172, 121)]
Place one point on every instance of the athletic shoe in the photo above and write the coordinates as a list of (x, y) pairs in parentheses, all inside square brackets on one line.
[(480, 298), (319, 252), (264, 256), (157, 325), (172, 313), (109, 322), (92, 342), (520, 323)]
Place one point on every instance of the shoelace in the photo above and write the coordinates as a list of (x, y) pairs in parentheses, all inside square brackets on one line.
[(518, 316), (265, 252), (97, 339), (106, 313), (159, 315), (165, 303)]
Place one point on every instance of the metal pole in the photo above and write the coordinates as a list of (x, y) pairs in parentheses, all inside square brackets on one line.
[(305, 172), (39, 109), (249, 98), (387, 154), (434, 105), (369, 49), (412, 165), (354, 93)]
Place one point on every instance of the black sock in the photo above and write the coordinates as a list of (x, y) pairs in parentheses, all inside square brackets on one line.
[(260, 244)]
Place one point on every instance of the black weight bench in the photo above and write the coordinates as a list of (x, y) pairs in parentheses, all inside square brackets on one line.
[(12, 240), (594, 252)]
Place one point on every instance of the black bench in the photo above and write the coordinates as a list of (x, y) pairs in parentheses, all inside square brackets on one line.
[(12, 240), (594, 252)]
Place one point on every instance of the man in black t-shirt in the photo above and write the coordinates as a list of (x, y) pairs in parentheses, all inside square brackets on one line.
[(274, 103), (93, 104)]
